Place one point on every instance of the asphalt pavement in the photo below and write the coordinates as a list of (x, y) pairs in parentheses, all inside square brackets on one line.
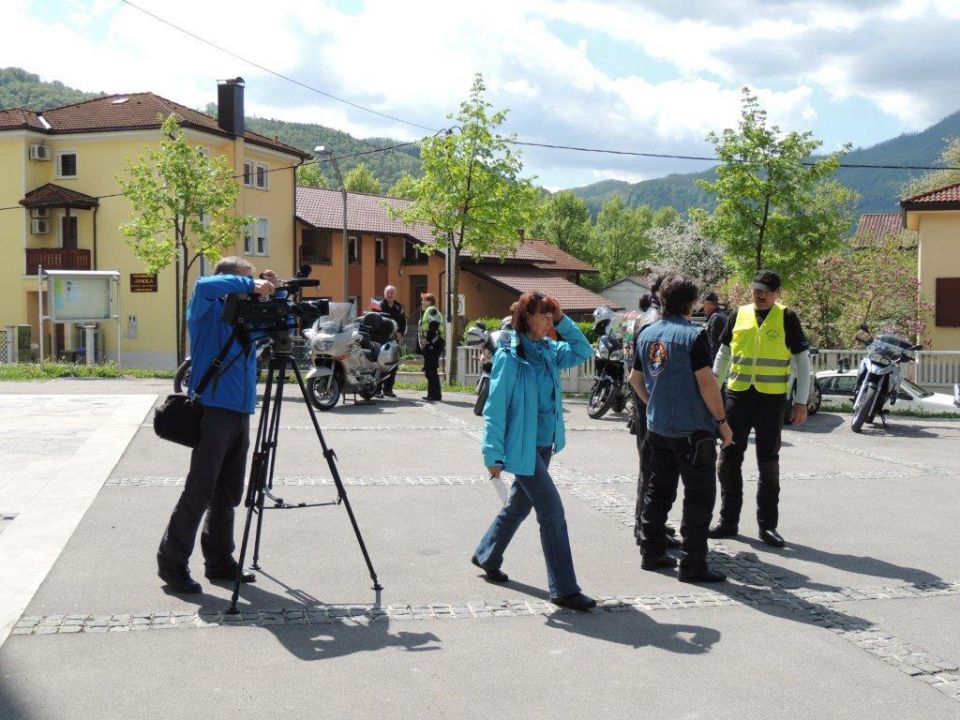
[(857, 617)]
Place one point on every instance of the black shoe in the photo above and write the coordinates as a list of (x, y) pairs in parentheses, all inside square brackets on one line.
[(493, 574), (228, 571), (773, 538), (389, 393), (700, 575), (379, 395), (179, 579), (428, 399), (576, 601), (672, 541), (658, 563), (723, 531)]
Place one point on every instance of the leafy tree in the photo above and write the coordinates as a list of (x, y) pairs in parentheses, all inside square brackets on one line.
[(565, 222), (183, 209), (776, 206), (360, 179), (403, 188), (471, 193), (620, 241), (950, 158), (309, 175), (681, 245)]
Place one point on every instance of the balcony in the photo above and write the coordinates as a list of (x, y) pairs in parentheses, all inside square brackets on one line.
[(57, 259)]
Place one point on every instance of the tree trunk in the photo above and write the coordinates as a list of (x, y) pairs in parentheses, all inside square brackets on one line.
[(184, 280), (455, 330), (763, 230)]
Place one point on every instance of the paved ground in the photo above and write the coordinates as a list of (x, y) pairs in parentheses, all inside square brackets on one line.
[(856, 618)]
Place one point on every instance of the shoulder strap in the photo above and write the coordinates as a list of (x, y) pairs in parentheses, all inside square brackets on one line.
[(214, 366)]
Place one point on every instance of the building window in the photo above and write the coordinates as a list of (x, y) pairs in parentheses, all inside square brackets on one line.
[(412, 254), (316, 247), (256, 237), (353, 250), (66, 165), (248, 174), (380, 246), (947, 303), (261, 177)]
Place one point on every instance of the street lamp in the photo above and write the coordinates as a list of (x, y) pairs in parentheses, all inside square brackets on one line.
[(325, 151)]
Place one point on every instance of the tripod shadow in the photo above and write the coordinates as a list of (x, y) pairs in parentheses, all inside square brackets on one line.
[(859, 564), (318, 640)]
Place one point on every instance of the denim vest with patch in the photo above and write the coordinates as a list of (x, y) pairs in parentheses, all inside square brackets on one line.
[(676, 408)]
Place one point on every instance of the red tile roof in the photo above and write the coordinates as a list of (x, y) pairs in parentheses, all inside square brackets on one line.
[(128, 112), (521, 279), (51, 195), (367, 213), (561, 260), (945, 198), (878, 225)]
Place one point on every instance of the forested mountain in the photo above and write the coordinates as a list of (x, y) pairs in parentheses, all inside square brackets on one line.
[(879, 189)]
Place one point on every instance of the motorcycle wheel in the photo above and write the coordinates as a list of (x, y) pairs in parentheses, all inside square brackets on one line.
[(600, 400), (481, 396), (324, 395), (181, 381), (619, 403), (862, 409)]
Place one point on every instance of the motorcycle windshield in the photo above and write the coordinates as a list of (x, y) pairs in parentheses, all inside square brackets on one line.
[(341, 314)]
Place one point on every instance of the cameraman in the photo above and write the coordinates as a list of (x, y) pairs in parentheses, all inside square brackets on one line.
[(214, 484)]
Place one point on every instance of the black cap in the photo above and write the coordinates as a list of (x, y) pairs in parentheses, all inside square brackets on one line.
[(711, 297), (766, 280)]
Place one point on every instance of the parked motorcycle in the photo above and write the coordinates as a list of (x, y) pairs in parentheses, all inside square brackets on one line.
[(879, 376), (350, 356), (610, 390), (181, 380), (488, 342)]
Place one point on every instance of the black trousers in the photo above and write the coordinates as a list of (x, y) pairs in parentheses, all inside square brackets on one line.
[(762, 413), (214, 486), (389, 380), (670, 460), (431, 370)]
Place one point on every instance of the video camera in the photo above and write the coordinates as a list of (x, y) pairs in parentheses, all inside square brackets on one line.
[(276, 315)]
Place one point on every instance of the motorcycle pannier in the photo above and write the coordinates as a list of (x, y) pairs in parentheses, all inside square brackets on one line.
[(378, 326)]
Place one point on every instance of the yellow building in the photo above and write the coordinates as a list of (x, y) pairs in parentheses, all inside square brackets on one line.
[(61, 208), (935, 215)]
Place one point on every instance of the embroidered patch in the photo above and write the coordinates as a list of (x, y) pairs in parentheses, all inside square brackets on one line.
[(657, 357), (771, 333)]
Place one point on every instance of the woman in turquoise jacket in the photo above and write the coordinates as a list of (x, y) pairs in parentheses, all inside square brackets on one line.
[(523, 428)]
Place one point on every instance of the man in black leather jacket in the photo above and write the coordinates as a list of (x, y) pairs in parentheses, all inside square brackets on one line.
[(392, 307)]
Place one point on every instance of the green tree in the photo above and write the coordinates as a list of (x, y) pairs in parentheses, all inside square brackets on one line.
[(471, 193), (309, 175), (683, 246), (565, 222), (404, 187), (361, 180), (776, 206), (620, 241), (950, 158), (183, 209)]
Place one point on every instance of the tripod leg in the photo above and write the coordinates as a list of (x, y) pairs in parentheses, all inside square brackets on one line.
[(330, 456), (270, 456)]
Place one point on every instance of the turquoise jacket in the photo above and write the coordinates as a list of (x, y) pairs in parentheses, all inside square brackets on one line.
[(510, 414)]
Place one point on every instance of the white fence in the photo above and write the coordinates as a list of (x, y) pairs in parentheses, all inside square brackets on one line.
[(937, 370)]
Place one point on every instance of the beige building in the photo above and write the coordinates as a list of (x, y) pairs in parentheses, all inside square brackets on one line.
[(58, 171)]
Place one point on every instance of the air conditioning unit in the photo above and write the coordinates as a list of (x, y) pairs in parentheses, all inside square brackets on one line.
[(40, 226), (40, 152), (39, 212)]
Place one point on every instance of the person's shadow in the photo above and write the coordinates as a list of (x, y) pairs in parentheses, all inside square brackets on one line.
[(317, 639)]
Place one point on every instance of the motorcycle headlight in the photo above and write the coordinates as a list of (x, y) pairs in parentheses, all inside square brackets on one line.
[(324, 345), (616, 355), (603, 352), (878, 357)]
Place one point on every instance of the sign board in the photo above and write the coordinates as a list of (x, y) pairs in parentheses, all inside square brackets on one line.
[(143, 282), (78, 298)]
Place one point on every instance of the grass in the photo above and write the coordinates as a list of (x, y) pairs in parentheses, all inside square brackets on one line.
[(22, 372), (422, 385), (847, 408)]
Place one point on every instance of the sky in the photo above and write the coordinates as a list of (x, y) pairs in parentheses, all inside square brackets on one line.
[(641, 75)]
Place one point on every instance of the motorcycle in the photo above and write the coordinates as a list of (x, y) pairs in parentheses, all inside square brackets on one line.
[(879, 376), (181, 380), (350, 356), (610, 390), (488, 342)]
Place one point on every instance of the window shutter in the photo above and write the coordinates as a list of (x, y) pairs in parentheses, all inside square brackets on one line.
[(948, 302)]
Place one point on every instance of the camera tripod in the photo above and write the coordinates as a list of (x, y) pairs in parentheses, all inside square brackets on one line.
[(260, 484)]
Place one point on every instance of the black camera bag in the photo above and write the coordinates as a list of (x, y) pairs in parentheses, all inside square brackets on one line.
[(178, 417)]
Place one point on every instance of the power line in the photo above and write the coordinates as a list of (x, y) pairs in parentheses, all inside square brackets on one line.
[(274, 72)]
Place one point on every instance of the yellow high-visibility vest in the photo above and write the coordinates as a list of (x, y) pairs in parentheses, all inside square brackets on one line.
[(759, 353)]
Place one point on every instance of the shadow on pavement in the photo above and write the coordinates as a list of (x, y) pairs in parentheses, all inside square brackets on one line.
[(820, 423), (895, 429), (636, 629), (11, 708)]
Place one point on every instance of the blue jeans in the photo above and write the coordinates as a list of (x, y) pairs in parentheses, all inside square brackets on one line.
[(537, 492)]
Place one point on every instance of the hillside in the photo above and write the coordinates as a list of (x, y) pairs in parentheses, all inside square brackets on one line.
[(20, 89), (879, 189)]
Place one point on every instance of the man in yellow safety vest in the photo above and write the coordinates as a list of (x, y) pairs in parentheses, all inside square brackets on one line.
[(757, 348)]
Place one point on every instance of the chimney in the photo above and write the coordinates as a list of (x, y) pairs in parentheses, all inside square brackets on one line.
[(230, 106)]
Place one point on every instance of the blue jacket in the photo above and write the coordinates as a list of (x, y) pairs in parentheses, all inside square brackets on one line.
[(510, 414), (236, 387)]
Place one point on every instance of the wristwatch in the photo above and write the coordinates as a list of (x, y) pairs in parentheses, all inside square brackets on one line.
[(721, 421)]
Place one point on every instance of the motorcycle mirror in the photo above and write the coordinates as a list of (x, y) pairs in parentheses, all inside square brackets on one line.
[(812, 352), (918, 346)]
